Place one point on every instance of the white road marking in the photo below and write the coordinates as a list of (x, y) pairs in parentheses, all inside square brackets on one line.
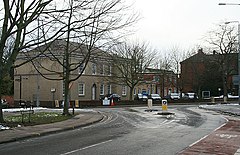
[(206, 135), (87, 147), (170, 122), (228, 136)]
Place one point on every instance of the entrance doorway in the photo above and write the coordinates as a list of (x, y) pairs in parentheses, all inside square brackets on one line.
[(94, 87)]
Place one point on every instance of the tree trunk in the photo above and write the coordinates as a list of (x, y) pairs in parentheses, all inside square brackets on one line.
[(131, 93), (1, 80), (1, 83), (66, 97), (224, 88)]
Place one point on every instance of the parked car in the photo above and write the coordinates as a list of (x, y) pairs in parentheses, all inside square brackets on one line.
[(175, 96), (229, 96), (115, 97), (4, 103), (190, 96), (155, 97), (172, 96), (141, 97)]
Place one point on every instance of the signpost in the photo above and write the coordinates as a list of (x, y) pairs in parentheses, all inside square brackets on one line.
[(235, 79)]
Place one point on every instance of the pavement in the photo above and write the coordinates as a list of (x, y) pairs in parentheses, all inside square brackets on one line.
[(19, 133), (224, 140), (232, 109)]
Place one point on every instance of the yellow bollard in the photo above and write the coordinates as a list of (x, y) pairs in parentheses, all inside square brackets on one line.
[(76, 104)]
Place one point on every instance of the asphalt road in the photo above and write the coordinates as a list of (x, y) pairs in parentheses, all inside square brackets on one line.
[(126, 131)]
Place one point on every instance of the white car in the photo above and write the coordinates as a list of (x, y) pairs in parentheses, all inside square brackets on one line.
[(229, 96), (141, 97), (190, 96), (155, 97), (175, 96)]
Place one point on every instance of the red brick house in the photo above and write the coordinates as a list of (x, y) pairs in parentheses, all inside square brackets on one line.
[(160, 81), (206, 72)]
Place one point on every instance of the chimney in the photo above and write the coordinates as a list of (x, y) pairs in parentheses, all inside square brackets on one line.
[(200, 51)]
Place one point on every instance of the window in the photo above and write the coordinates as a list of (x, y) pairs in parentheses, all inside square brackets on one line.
[(81, 69), (124, 90), (81, 89), (63, 88), (109, 89), (94, 66), (109, 70), (102, 89), (102, 70)]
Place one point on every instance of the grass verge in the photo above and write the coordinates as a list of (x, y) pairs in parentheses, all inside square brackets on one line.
[(35, 119)]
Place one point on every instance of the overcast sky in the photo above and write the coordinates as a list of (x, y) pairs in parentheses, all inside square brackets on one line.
[(182, 23)]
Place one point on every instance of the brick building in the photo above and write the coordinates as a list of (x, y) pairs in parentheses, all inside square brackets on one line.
[(206, 72), (158, 81)]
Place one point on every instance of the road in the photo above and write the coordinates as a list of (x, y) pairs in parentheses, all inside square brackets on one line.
[(126, 131)]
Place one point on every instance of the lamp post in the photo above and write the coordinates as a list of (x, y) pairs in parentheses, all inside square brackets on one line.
[(38, 76), (20, 79), (238, 48), (53, 90), (228, 3)]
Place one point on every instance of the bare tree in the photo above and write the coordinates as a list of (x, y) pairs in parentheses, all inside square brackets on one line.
[(165, 64), (16, 19), (223, 42), (131, 61), (88, 26), (177, 55)]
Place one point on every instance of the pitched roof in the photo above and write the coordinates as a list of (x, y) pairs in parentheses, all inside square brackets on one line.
[(202, 57), (57, 47)]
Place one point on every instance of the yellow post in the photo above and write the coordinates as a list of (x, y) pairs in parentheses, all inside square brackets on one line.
[(76, 104), (56, 104)]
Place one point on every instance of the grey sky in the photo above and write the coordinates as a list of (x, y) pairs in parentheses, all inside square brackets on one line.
[(183, 23)]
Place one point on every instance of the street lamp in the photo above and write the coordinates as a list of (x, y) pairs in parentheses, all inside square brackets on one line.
[(238, 48), (228, 4), (37, 65), (238, 57)]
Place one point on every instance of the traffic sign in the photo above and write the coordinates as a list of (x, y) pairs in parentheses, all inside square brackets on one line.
[(236, 79)]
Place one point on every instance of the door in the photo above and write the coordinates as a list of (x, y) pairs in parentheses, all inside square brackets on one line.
[(94, 92)]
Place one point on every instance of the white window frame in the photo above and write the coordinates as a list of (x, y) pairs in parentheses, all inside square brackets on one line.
[(94, 69), (124, 90), (102, 70), (82, 86), (109, 70), (101, 89), (80, 70), (109, 88), (63, 88)]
